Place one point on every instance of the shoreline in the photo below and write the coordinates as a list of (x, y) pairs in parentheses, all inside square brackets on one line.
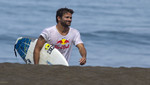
[(25, 74)]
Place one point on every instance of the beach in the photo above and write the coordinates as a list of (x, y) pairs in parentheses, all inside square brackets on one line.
[(25, 74)]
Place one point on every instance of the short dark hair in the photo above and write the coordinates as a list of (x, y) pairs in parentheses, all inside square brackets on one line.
[(60, 12)]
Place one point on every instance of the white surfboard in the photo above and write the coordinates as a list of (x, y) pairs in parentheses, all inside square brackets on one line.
[(48, 55)]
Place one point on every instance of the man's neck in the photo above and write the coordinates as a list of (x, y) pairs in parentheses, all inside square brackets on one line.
[(62, 30)]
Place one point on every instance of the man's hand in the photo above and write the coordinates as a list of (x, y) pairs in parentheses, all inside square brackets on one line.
[(82, 61)]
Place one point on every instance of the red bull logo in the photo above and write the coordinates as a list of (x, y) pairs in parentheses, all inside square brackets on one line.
[(62, 44)]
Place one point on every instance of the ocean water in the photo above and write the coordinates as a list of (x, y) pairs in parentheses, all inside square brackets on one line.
[(115, 32)]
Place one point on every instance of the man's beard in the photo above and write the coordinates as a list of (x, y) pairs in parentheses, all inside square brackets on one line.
[(65, 24)]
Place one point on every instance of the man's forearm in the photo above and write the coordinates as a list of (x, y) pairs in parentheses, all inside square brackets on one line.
[(83, 52), (36, 57), (37, 49)]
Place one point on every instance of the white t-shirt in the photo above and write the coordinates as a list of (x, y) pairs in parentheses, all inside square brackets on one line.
[(62, 43)]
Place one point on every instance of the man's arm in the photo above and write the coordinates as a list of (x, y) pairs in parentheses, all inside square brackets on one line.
[(83, 53), (39, 44)]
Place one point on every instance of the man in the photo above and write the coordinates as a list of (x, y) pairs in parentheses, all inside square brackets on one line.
[(61, 36)]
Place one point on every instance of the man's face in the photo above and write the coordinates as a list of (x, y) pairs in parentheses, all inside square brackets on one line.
[(66, 19)]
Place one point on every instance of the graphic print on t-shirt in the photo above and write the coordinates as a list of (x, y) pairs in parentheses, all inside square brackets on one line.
[(62, 44)]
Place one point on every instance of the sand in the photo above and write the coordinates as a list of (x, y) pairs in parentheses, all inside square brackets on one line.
[(23, 74)]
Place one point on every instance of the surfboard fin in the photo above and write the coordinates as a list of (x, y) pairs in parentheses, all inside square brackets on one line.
[(15, 50)]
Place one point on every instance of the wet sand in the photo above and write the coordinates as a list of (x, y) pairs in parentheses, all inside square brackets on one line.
[(23, 74)]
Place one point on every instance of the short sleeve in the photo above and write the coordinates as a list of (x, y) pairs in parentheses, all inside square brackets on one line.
[(45, 34), (77, 38)]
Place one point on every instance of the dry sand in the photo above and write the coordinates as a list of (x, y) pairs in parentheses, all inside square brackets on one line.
[(23, 74)]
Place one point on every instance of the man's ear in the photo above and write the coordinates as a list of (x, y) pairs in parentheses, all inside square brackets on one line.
[(58, 18)]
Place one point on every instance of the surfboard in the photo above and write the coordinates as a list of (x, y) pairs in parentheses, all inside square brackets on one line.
[(48, 54)]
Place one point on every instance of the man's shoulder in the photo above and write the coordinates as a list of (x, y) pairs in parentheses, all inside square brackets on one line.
[(74, 30), (50, 28)]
